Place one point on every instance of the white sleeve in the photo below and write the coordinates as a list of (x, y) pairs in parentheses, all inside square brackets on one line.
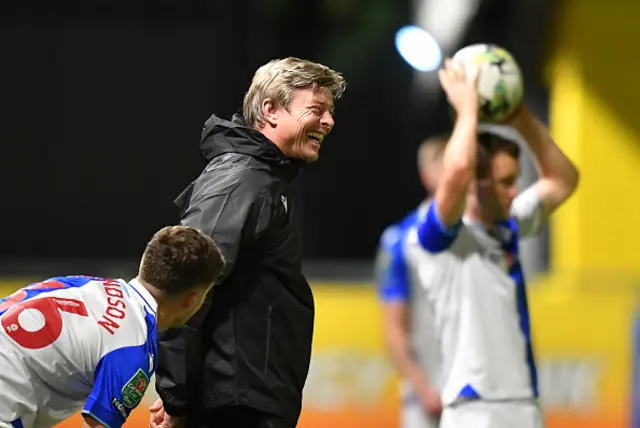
[(528, 212)]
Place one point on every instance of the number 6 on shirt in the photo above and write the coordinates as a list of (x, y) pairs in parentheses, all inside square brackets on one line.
[(50, 308)]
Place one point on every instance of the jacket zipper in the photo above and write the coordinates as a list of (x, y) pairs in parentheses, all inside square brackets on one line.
[(268, 347)]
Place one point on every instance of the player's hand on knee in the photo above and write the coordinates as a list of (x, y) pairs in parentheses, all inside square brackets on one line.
[(460, 85)]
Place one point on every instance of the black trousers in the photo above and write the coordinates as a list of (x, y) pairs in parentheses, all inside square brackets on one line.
[(239, 417)]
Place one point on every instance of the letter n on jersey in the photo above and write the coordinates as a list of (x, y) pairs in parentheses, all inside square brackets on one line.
[(115, 307)]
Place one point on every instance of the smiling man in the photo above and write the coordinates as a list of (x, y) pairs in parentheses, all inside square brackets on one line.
[(242, 360)]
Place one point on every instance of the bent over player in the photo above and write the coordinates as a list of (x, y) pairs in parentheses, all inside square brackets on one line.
[(75, 341), (465, 252)]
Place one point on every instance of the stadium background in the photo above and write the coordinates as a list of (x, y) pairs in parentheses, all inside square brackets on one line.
[(102, 104)]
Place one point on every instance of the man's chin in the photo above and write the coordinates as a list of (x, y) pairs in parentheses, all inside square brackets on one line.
[(504, 216), (310, 155)]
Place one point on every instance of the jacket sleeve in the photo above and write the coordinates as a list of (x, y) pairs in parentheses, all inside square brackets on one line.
[(223, 206)]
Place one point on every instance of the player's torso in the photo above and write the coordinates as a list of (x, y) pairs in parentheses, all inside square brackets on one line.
[(474, 308), (57, 331)]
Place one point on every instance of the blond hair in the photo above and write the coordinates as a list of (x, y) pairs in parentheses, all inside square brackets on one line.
[(278, 79)]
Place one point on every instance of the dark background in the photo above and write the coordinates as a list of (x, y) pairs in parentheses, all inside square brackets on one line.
[(102, 107)]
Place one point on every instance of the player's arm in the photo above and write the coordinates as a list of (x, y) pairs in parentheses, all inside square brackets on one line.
[(393, 288), (558, 176), (120, 382), (226, 207), (458, 170), (396, 332), (458, 160), (89, 422)]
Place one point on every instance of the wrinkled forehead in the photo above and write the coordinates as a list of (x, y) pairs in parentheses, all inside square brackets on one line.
[(313, 94)]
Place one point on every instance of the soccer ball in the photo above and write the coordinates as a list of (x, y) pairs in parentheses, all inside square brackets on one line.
[(500, 85)]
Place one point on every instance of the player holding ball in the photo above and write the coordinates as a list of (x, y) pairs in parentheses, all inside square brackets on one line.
[(465, 248)]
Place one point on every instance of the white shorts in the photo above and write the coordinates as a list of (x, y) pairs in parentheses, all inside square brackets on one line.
[(414, 416), (484, 414)]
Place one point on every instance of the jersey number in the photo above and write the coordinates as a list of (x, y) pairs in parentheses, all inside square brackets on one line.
[(50, 308)]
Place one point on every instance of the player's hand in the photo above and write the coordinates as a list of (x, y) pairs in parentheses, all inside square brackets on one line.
[(430, 400), (160, 419), (460, 86)]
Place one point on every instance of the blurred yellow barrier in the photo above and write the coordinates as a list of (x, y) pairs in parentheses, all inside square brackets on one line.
[(584, 348), (351, 383)]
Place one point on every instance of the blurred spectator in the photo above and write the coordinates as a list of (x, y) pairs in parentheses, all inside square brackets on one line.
[(409, 328)]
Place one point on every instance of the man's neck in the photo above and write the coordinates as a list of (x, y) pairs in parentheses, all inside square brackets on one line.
[(161, 315), (270, 134), (474, 213), (162, 320), (150, 288)]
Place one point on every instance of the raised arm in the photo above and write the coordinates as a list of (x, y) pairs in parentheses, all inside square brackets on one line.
[(558, 176), (459, 158), (439, 228)]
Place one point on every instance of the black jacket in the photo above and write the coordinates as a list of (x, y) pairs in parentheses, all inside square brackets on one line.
[(250, 344)]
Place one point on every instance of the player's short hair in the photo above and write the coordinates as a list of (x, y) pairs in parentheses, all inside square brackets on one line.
[(431, 150), (278, 79), (181, 258), (489, 145)]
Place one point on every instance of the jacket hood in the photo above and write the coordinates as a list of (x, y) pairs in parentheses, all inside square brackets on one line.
[(220, 136)]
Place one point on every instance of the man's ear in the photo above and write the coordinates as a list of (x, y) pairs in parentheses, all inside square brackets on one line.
[(270, 112), (424, 179), (192, 298)]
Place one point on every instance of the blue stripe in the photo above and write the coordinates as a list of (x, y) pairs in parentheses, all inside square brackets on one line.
[(525, 324), (435, 236), (30, 292), (142, 297), (517, 275), (74, 281), (17, 423)]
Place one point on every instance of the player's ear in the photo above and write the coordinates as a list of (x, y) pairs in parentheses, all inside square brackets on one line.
[(270, 111), (425, 180), (191, 299)]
